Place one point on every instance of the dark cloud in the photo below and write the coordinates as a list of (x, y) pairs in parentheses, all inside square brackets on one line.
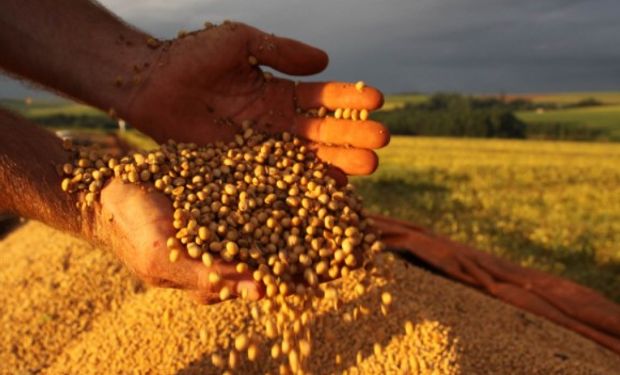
[(425, 45)]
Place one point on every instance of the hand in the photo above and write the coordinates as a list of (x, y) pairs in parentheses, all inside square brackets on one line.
[(136, 224), (202, 87)]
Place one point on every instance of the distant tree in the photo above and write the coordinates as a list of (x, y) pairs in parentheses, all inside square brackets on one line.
[(587, 102), (456, 116), (77, 121)]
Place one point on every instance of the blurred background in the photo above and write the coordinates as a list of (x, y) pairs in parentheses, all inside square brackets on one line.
[(506, 114)]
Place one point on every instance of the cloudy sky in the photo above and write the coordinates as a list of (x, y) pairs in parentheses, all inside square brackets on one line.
[(422, 45)]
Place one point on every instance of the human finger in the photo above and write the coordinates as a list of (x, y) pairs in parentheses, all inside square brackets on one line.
[(328, 130), (286, 55), (334, 95), (352, 161)]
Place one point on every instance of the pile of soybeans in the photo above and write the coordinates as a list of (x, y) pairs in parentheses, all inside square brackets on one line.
[(335, 303), (266, 206), (69, 308)]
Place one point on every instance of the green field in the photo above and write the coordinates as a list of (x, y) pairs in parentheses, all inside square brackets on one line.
[(601, 122), (399, 100), (607, 98), (570, 97), (606, 118), (549, 205), (42, 108)]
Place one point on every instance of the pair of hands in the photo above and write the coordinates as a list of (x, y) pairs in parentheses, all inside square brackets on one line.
[(197, 89)]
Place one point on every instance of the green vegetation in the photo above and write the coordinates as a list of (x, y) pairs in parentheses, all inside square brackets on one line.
[(454, 115), (61, 114), (549, 205), (569, 97), (138, 140), (570, 116), (400, 100), (41, 108), (596, 122)]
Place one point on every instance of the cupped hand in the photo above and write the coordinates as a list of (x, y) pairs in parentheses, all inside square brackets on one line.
[(136, 223), (203, 86)]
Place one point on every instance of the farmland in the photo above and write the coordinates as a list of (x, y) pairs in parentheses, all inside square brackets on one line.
[(549, 205), (550, 116), (605, 119), (606, 98), (50, 107)]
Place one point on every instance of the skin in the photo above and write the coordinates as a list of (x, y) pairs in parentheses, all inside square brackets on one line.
[(198, 88), (129, 220)]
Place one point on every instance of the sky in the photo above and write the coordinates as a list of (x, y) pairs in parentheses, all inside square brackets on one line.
[(476, 46)]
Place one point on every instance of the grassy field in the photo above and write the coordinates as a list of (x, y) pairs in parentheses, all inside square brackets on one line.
[(607, 98), (570, 97), (41, 108), (605, 117), (549, 205), (399, 100)]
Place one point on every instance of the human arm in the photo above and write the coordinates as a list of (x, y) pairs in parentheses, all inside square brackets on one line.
[(29, 181), (129, 220), (197, 88)]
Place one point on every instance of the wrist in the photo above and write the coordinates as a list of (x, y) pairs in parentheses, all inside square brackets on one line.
[(30, 176)]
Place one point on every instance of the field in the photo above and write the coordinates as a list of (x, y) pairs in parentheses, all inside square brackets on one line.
[(399, 100), (569, 97), (42, 108), (600, 122), (607, 98), (606, 118), (549, 205)]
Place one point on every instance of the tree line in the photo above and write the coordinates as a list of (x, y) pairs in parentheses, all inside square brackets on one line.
[(449, 115), (454, 115)]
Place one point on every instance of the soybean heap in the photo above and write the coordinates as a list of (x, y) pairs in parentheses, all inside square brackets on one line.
[(265, 204)]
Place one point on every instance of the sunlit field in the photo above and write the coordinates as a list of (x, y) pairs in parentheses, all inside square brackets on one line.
[(554, 206), (605, 98), (605, 118)]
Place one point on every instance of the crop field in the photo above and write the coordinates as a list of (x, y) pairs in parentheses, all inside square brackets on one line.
[(604, 117), (399, 100), (606, 98), (41, 108), (570, 97), (549, 205), (601, 122)]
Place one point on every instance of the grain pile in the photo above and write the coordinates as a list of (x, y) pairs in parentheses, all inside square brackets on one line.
[(69, 308), (266, 205)]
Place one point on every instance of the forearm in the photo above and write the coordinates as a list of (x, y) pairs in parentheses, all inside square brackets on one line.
[(75, 47), (29, 181)]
